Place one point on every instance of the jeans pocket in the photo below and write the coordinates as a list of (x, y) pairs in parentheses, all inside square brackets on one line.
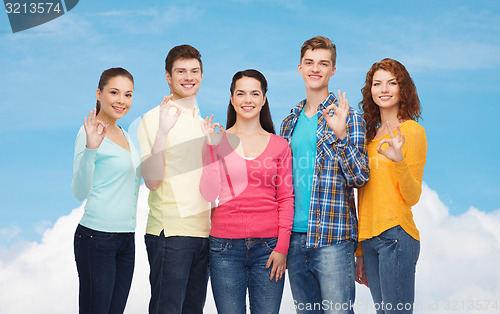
[(76, 245), (270, 244), (389, 236), (218, 246), (415, 249)]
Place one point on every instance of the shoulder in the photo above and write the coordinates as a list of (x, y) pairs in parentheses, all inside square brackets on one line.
[(412, 127), (151, 113), (278, 143)]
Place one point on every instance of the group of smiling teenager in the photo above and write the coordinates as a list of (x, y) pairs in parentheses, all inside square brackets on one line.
[(242, 204)]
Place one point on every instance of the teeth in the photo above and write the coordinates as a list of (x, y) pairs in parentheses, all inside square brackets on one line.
[(188, 85)]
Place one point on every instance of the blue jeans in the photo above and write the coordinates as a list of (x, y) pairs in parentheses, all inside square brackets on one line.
[(390, 261), (321, 279), (105, 264), (238, 264), (178, 273)]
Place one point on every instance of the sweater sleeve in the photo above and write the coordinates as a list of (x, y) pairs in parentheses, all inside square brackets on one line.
[(210, 183), (411, 169), (83, 167), (285, 197)]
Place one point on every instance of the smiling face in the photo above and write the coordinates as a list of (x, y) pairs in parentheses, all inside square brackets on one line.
[(185, 79), (385, 90), (316, 68), (247, 98), (115, 98)]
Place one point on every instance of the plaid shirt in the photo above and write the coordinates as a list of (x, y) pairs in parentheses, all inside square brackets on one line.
[(340, 166)]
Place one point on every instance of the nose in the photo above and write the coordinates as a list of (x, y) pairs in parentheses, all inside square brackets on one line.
[(315, 67), (248, 99), (189, 75), (385, 87)]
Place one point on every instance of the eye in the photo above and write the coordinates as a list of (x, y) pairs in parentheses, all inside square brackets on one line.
[(114, 93), (196, 71), (239, 94), (376, 84), (324, 64), (128, 95), (393, 83)]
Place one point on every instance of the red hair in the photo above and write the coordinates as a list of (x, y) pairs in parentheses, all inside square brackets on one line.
[(409, 104)]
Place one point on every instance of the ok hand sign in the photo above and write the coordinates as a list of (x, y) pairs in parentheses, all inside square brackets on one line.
[(91, 125), (338, 121), (393, 152), (209, 128), (167, 120)]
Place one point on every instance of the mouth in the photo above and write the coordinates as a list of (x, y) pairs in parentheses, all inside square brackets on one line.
[(247, 108), (187, 85), (385, 97), (118, 109), (315, 77)]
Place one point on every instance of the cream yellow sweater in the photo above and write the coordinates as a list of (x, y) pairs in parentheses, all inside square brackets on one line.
[(394, 187)]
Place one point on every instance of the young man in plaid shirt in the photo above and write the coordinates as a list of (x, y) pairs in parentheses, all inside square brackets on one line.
[(327, 139)]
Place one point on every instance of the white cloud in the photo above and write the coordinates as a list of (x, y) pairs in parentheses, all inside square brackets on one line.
[(457, 267)]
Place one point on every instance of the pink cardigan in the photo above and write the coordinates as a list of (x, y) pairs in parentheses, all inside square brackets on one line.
[(255, 196)]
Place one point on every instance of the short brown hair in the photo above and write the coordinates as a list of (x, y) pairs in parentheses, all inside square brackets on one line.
[(319, 42), (182, 52), (409, 104)]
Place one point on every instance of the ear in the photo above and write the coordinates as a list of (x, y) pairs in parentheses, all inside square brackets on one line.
[(333, 71), (98, 94), (299, 67), (168, 77), (265, 97)]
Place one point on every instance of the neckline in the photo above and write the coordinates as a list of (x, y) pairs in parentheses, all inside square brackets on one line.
[(244, 157), (387, 135), (116, 144)]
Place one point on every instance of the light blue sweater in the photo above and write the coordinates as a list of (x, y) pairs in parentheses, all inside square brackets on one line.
[(109, 178)]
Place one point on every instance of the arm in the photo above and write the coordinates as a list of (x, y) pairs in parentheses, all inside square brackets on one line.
[(349, 129), (86, 145), (210, 183), (410, 164), (153, 166), (285, 197)]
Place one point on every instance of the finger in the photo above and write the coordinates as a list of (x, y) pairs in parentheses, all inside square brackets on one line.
[(402, 139), (274, 272), (382, 142), (340, 97), (210, 120), (391, 134), (346, 103)]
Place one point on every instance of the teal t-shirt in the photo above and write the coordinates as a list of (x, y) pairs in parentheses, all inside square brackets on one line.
[(304, 152)]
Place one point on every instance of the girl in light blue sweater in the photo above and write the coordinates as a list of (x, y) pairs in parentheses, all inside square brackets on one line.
[(106, 172)]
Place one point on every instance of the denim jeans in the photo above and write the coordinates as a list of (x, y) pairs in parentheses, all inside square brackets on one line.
[(178, 273), (390, 261), (105, 264), (321, 279), (238, 264)]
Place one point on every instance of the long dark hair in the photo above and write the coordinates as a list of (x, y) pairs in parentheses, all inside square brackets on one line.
[(106, 76), (265, 114), (409, 104)]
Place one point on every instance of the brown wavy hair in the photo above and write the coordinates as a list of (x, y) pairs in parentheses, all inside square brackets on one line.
[(409, 104)]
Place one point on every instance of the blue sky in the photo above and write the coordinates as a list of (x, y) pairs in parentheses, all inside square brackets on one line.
[(49, 74)]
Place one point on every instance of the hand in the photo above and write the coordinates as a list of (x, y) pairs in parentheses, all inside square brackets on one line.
[(278, 260), (338, 121), (91, 125), (393, 152), (360, 271), (209, 128), (167, 120)]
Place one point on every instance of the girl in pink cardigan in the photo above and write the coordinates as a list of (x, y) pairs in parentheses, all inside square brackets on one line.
[(250, 172)]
